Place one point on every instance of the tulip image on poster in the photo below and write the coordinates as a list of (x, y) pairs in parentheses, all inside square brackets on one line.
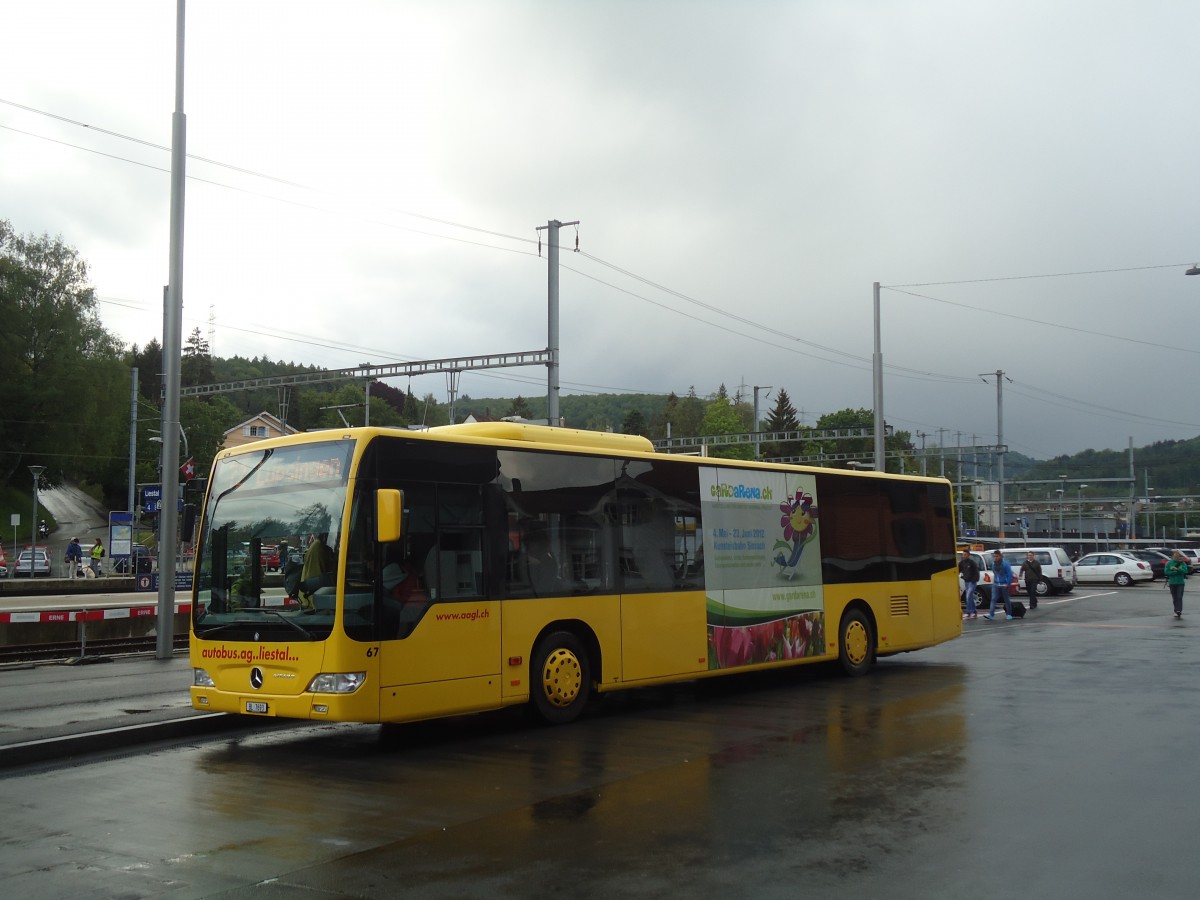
[(765, 597), (793, 637)]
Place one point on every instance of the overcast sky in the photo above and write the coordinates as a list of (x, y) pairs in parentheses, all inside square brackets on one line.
[(365, 180)]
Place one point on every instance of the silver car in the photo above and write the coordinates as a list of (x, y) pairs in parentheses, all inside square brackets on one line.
[(41, 562)]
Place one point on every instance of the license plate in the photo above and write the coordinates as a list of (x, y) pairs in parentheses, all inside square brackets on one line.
[(255, 706)]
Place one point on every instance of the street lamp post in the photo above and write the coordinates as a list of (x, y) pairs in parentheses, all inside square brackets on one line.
[(877, 388), (1150, 503), (36, 471), (1062, 493), (1080, 496)]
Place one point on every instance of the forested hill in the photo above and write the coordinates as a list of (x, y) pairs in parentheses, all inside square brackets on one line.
[(1173, 466)]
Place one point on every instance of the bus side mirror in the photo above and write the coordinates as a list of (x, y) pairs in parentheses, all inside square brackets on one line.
[(389, 504)]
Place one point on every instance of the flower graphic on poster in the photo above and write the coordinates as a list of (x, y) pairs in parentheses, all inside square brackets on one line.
[(799, 527)]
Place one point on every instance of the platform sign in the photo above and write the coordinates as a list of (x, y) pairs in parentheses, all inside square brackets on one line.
[(152, 498), (183, 582), (120, 535)]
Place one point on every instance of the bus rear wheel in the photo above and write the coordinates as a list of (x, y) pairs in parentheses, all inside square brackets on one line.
[(560, 678), (856, 643)]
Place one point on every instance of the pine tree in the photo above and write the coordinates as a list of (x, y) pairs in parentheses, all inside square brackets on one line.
[(781, 418), (520, 407)]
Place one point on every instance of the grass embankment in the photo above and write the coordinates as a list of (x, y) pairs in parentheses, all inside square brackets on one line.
[(14, 501)]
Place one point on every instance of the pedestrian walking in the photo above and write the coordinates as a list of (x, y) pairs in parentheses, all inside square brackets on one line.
[(74, 559), (1002, 576), (1032, 570), (1176, 571), (968, 571), (97, 555)]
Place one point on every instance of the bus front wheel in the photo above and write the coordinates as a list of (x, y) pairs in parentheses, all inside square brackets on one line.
[(856, 643), (561, 678)]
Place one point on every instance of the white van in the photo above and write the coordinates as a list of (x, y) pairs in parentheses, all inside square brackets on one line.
[(1058, 572)]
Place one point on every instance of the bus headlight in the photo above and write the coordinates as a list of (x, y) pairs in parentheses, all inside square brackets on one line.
[(201, 678), (337, 682)]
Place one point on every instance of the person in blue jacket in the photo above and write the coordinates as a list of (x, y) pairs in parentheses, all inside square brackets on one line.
[(1002, 579), (74, 558)]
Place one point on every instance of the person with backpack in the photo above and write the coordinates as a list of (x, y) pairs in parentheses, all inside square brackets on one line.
[(968, 570)]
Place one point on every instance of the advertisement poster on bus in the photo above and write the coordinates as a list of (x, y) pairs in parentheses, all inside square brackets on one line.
[(762, 547)]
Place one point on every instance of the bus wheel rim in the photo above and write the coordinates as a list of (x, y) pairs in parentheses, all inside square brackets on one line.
[(562, 678), (856, 642)]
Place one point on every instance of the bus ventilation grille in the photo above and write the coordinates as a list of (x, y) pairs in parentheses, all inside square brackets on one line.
[(900, 606)]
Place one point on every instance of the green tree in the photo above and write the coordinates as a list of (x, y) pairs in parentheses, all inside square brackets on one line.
[(634, 423), (721, 418), (520, 407), (782, 418), (58, 359), (690, 415), (149, 363), (896, 446), (195, 367)]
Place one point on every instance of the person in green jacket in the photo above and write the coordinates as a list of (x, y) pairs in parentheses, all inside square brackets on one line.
[(1176, 571)]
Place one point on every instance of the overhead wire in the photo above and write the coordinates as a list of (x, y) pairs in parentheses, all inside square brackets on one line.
[(1023, 318), (850, 360), (860, 360)]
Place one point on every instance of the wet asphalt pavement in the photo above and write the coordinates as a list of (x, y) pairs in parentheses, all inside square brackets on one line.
[(1050, 757)]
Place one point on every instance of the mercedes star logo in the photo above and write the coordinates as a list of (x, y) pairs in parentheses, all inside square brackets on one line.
[(256, 678)]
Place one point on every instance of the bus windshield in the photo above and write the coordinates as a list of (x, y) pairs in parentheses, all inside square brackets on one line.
[(291, 499)]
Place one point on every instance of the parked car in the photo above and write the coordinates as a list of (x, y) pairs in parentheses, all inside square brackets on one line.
[(1114, 567), (140, 556), (1158, 561), (40, 558), (275, 558), (1058, 572), (1188, 553), (1193, 557)]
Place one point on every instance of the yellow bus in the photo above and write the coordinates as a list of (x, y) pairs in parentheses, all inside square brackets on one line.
[(477, 566)]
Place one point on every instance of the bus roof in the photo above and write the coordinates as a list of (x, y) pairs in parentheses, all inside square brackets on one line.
[(545, 434)]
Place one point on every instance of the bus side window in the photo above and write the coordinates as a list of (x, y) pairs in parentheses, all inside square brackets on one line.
[(457, 565), (542, 565)]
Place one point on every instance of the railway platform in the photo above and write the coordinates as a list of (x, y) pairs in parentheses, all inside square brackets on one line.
[(56, 709), (91, 701), (58, 619)]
